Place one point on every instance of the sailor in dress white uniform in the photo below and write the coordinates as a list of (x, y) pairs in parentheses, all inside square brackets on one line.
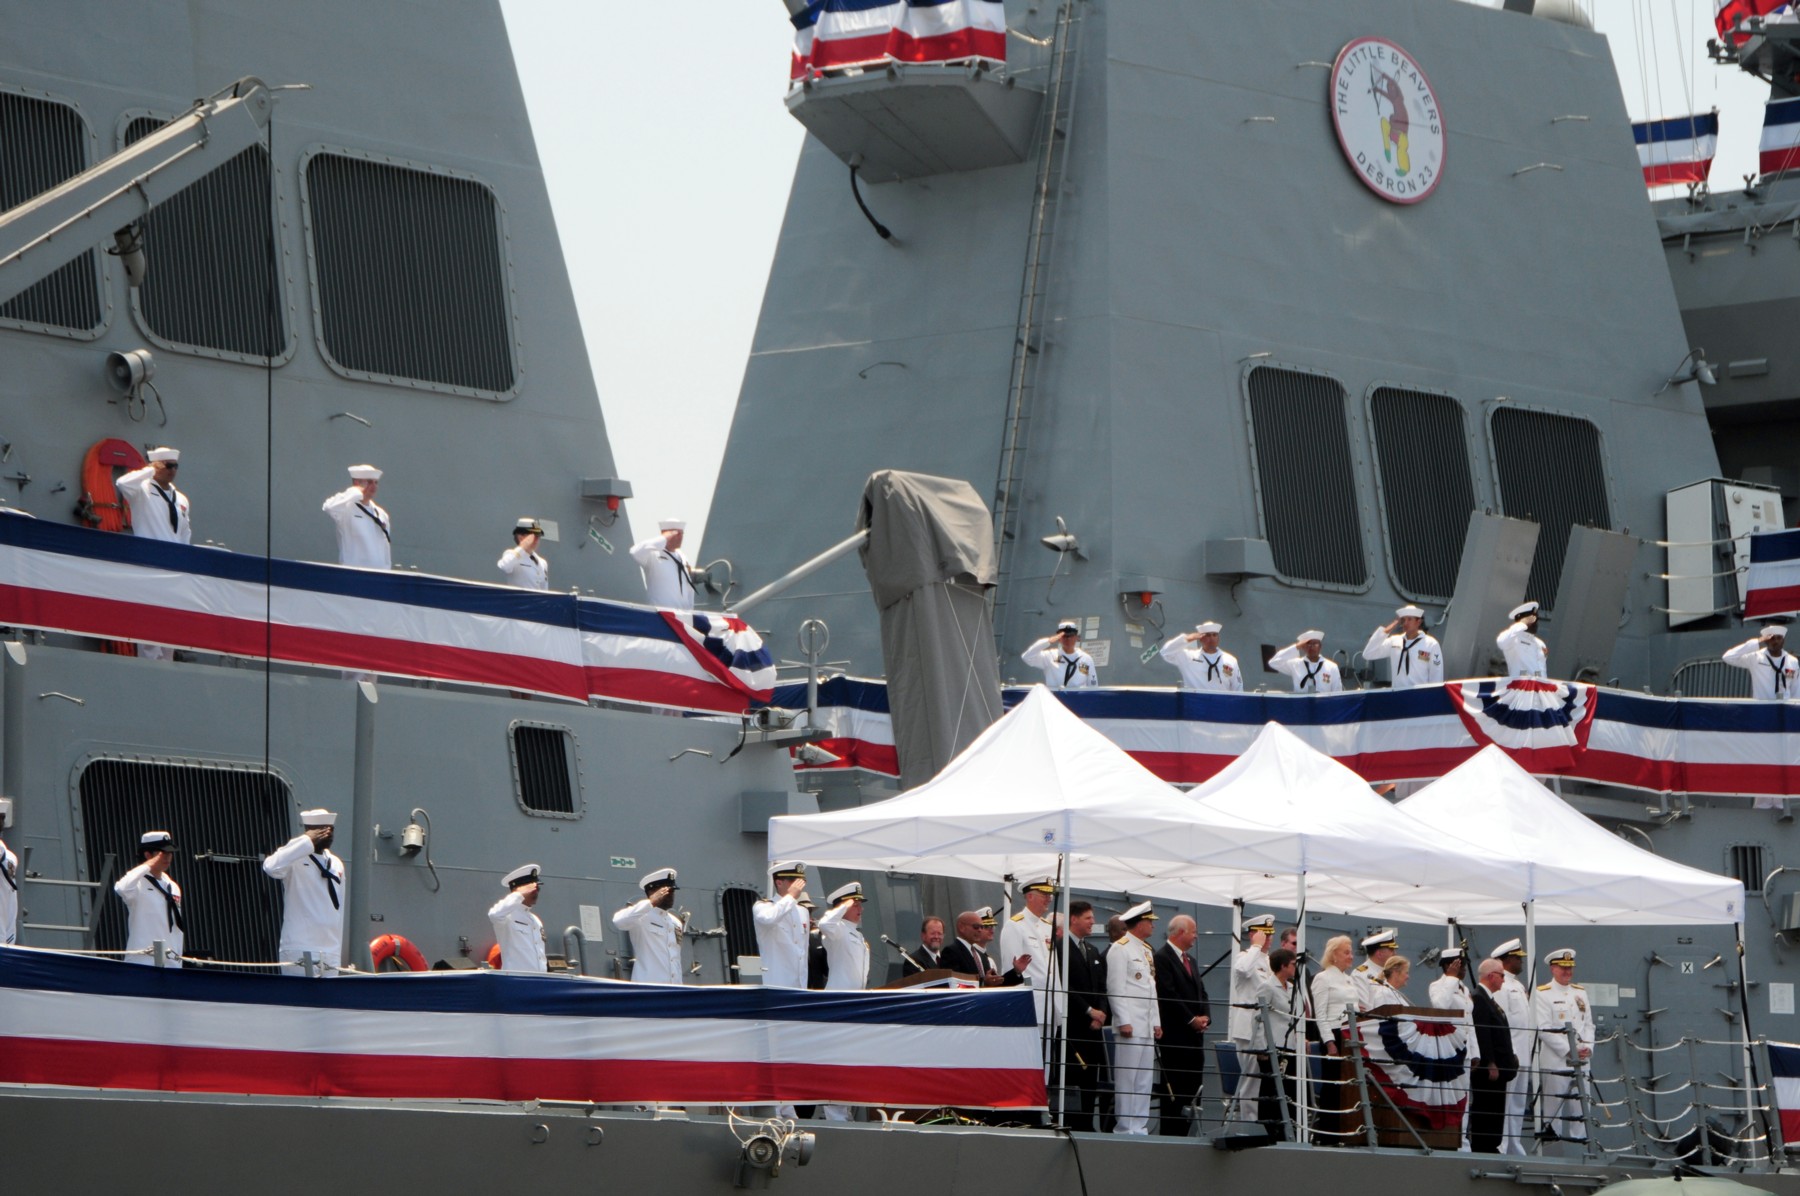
[(1203, 666), (1062, 660), (313, 885), (1418, 658), (365, 534), (158, 512), (1131, 989), (153, 902), (1304, 663), (9, 895), (666, 580), (1774, 672), (1555, 1005), (655, 931), (781, 929), (1251, 981), (1371, 989), (522, 563), (518, 932), (1029, 932), (1524, 651)]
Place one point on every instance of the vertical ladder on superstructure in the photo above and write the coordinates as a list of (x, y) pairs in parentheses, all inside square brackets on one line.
[(1058, 116)]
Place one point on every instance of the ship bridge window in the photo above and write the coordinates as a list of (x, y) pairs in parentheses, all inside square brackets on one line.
[(43, 143), (1551, 472), (1427, 491), (1305, 481), (209, 250), (410, 273), (546, 770), (225, 819)]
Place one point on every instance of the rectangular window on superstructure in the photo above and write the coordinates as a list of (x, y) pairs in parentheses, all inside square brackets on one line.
[(1427, 491), (1305, 477), (43, 143), (1551, 472), (546, 776)]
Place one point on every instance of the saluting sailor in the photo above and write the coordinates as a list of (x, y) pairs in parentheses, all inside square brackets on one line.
[(1312, 672), (1418, 658), (522, 563), (1137, 1022), (781, 929), (1251, 980), (655, 931), (1029, 932), (158, 510), (1555, 1005), (1061, 658), (666, 580), (840, 929), (1371, 988), (1203, 666), (1524, 651), (517, 930), (365, 534), (9, 896), (312, 890), (1774, 672), (153, 902), (1515, 1002), (1447, 992)]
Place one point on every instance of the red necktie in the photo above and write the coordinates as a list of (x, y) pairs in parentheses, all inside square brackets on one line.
[(1188, 962)]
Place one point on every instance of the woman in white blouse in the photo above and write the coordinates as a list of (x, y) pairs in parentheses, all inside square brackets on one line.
[(1334, 992)]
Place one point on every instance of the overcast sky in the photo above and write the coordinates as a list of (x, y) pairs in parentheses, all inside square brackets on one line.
[(669, 156)]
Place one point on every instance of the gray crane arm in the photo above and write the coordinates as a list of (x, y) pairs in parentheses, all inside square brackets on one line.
[(47, 232)]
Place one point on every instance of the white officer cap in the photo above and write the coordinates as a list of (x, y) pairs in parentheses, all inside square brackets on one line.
[(526, 523), (1261, 922), (806, 903), (1450, 955), (1142, 911), (1562, 957), (1208, 628), (671, 525), (364, 473), (659, 877), (524, 874), (317, 818), (850, 892), (1521, 610), (1039, 884), (1509, 947), (1307, 637), (793, 870), (1387, 937), (1771, 631), (1410, 612), (1069, 625), (161, 840), (986, 914), (164, 453)]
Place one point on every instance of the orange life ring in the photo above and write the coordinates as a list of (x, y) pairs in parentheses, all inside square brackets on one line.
[(100, 504), (493, 957), (395, 946)]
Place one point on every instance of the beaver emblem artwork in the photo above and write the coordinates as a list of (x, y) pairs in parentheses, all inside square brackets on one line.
[(1387, 120)]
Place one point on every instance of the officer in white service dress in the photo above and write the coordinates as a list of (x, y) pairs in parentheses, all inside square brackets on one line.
[(1524, 651), (1029, 932), (1062, 660), (1304, 663), (655, 931), (365, 534), (313, 894), (1379, 947), (1203, 666), (1555, 1005), (1251, 980), (518, 932), (158, 512), (9, 896), (1137, 1021), (153, 902), (1515, 1002), (1448, 992), (1418, 659), (781, 929), (847, 956), (523, 565), (1774, 672), (666, 580)]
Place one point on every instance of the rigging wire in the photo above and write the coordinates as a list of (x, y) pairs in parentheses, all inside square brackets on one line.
[(270, 316)]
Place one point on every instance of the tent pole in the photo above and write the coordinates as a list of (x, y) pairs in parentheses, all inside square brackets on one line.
[(1531, 958), (1062, 1042), (1298, 1006)]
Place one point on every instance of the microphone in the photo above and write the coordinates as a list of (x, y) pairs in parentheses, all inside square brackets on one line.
[(901, 950)]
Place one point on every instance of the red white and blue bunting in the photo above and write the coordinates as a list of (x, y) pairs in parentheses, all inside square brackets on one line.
[(1422, 1065), (834, 35)]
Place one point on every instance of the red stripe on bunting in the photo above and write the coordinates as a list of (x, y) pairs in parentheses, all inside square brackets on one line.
[(946, 47), (857, 753), (831, 53), (664, 689), (1663, 174), (1184, 768), (165, 1068), (1772, 600), (687, 633), (111, 618)]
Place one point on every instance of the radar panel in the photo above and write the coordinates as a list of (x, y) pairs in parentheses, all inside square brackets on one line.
[(44, 143), (1305, 482), (1550, 471), (411, 275), (1427, 490)]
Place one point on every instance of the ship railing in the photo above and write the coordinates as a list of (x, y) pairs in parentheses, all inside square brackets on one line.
[(95, 890)]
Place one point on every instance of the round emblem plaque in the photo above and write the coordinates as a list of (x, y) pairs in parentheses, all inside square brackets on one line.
[(1387, 120)]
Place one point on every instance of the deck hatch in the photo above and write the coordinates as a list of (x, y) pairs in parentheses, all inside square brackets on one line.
[(44, 143), (1305, 477), (1551, 472), (1427, 489)]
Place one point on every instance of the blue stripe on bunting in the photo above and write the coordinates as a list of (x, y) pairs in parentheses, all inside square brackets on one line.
[(1768, 548), (856, 5), (1781, 112), (853, 692), (498, 992), (1784, 1060), (1680, 128)]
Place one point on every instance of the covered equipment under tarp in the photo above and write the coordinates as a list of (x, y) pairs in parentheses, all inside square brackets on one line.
[(1575, 872)]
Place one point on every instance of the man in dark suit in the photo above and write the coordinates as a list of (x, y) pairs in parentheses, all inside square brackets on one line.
[(1499, 1064), (1088, 1012), (1185, 1012), (818, 970), (927, 954), (968, 954)]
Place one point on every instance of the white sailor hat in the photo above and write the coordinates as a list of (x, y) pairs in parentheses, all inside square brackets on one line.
[(1772, 631), (317, 818), (671, 525), (659, 878), (1562, 957), (986, 914), (1208, 628), (524, 874), (1307, 637), (165, 453), (1509, 947), (527, 524), (1387, 937), (1450, 955), (1141, 912), (161, 840), (850, 892), (1039, 884), (806, 903), (789, 871), (1409, 612), (1069, 626), (1261, 922), (365, 473), (1523, 609)]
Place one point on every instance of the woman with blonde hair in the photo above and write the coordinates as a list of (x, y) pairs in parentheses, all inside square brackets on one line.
[(1390, 987), (1334, 1003)]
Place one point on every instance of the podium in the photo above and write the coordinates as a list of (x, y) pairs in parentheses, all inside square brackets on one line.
[(933, 978), (1402, 1126)]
